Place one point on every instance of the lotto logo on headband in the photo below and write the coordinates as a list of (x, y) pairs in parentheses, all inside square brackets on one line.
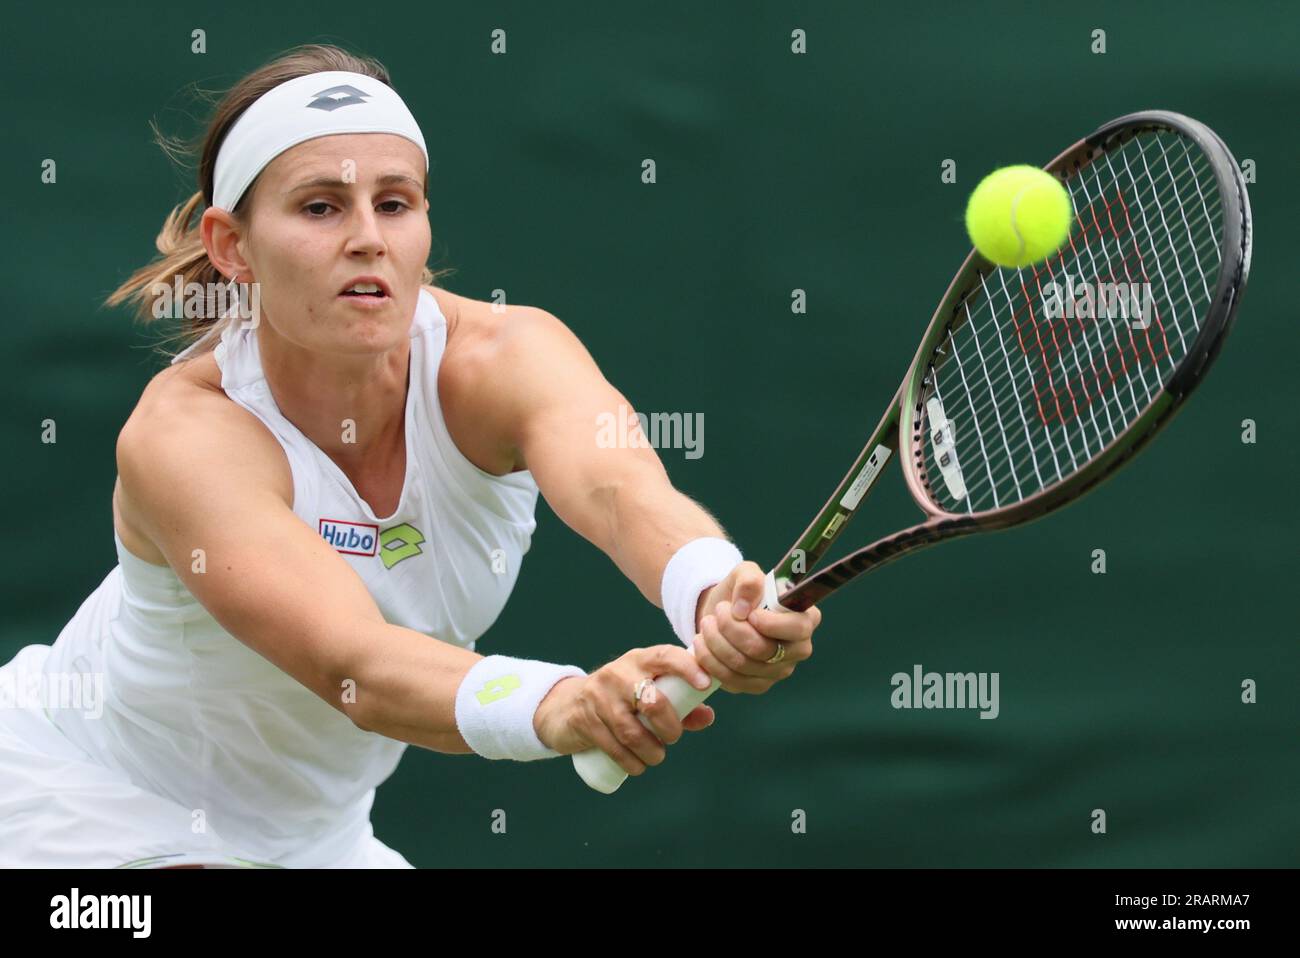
[(350, 538), (337, 96), (302, 109)]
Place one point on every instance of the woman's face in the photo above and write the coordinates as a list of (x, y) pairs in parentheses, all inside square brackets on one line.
[(324, 213)]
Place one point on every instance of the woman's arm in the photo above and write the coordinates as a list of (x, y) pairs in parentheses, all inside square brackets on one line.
[(198, 472), (550, 406)]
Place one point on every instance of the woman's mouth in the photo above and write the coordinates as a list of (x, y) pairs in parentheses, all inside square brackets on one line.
[(364, 289), (365, 294)]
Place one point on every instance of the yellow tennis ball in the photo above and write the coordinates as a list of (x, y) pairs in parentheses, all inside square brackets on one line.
[(1019, 215)]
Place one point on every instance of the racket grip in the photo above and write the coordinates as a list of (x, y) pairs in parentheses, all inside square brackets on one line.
[(603, 773)]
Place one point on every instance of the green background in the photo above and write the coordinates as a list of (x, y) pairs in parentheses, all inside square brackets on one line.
[(775, 172)]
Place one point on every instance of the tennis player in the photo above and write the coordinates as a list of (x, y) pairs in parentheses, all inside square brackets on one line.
[(322, 506)]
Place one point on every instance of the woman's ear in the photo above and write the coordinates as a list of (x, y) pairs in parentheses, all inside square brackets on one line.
[(221, 233)]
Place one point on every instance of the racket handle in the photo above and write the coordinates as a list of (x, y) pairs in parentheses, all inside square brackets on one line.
[(604, 774)]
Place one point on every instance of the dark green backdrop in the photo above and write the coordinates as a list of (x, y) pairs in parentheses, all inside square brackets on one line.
[(775, 171)]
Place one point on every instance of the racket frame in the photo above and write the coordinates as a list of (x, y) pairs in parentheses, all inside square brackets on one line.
[(799, 587)]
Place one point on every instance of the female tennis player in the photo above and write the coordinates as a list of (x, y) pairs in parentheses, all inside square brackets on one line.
[(321, 508)]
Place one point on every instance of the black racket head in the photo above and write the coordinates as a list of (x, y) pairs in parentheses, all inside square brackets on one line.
[(1158, 200), (1024, 394)]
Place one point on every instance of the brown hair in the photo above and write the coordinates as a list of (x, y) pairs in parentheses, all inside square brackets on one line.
[(179, 242)]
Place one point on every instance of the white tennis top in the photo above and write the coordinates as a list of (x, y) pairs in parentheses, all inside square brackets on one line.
[(193, 715)]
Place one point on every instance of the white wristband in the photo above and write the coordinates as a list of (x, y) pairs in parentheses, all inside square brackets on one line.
[(698, 565), (497, 700)]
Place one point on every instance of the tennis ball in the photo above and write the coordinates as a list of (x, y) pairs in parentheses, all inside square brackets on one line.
[(1019, 215)]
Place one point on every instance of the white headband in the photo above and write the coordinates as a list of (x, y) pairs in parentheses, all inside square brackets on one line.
[(319, 104)]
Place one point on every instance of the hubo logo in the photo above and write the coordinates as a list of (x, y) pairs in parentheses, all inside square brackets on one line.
[(350, 538), (337, 96), (1133, 303), (364, 539)]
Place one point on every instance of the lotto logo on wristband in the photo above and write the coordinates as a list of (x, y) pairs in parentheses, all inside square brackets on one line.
[(494, 690), (350, 538)]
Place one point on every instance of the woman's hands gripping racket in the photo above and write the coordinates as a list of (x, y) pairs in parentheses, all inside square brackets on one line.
[(1033, 385)]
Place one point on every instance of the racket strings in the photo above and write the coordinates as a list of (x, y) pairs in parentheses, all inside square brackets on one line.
[(1105, 427), (1142, 384), (1074, 462), (991, 302), (1150, 389), (1085, 386), (1034, 379), (975, 316), (1062, 463)]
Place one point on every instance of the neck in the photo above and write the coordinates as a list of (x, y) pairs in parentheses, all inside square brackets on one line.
[(353, 408)]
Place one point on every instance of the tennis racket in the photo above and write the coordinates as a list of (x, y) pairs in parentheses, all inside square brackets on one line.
[(1032, 385)]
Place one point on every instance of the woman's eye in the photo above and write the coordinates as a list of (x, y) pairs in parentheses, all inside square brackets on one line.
[(320, 208)]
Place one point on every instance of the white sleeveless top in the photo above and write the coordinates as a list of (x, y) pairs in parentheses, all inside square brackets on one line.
[(196, 716)]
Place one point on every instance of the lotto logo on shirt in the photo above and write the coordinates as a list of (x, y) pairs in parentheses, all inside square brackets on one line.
[(350, 538)]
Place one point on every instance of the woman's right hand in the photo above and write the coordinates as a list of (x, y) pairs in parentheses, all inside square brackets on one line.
[(600, 711)]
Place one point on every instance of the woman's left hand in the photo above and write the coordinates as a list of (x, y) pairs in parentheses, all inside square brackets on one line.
[(740, 644)]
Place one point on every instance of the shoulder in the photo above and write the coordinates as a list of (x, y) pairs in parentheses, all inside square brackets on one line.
[(475, 325), (185, 441), (502, 341), (501, 364), (183, 416)]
